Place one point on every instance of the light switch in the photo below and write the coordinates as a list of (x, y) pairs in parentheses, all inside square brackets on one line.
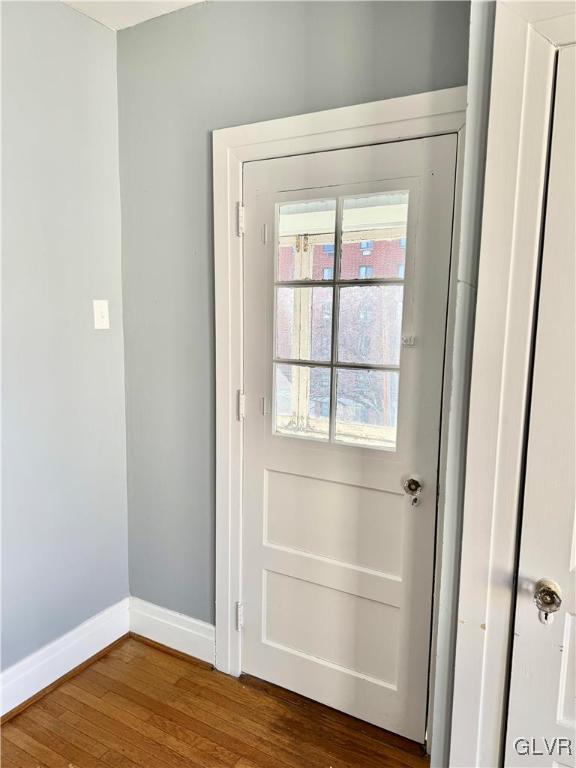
[(101, 315)]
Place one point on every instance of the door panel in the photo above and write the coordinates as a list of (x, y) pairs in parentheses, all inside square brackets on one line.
[(346, 271), (542, 718), (335, 626), (354, 525)]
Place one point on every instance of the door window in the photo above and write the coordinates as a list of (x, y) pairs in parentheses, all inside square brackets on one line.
[(339, 291)]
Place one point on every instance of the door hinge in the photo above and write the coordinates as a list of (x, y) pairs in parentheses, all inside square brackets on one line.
[(240, 215), (240, 405), (239, 616)]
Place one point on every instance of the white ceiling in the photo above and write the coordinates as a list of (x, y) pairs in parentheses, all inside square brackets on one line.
[(119, 14)]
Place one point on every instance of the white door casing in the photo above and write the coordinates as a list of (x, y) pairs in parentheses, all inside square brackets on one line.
[(338, 565), (542, 704), (420, 115)]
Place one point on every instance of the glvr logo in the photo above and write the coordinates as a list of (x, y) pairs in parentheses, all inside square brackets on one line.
[(543, 746)]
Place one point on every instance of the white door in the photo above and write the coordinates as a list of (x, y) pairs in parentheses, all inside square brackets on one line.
[(346, 271), (542, 709)]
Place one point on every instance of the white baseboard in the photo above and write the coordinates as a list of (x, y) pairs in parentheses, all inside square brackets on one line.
[(40, 669), (175, 630)]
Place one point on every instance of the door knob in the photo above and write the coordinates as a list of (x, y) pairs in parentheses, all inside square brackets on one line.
[(413, 487), (548, 599)]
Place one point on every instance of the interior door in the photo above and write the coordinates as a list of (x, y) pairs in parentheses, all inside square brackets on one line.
[(346, 272), (542, 708)]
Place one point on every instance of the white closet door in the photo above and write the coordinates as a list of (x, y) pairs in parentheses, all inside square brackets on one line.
[(542, 714)]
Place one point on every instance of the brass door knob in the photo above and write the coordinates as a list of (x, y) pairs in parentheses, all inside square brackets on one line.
[(412, 487), (548, 599)]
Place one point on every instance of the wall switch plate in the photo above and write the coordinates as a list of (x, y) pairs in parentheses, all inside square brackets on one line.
[(101, 315)]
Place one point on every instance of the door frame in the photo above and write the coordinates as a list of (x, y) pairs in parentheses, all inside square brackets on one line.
[(418, 116), (527, 36)]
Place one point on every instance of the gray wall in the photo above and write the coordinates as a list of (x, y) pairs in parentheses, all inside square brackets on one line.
[(180, 77), (64, 532)]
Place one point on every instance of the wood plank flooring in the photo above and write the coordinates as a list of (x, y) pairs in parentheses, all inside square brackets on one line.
[(141, 707)]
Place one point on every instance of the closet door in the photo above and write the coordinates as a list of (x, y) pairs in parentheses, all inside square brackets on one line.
[(542, 709)]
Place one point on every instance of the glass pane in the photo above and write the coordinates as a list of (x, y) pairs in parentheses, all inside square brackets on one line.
[(370, 324), (304, 323), (306, 240), (366, 407), (374, 236), (302, 402)]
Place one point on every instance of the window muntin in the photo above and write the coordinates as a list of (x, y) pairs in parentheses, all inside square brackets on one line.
[(338, 318)]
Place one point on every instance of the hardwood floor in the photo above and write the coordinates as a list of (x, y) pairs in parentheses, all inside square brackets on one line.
[(141, 707)]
